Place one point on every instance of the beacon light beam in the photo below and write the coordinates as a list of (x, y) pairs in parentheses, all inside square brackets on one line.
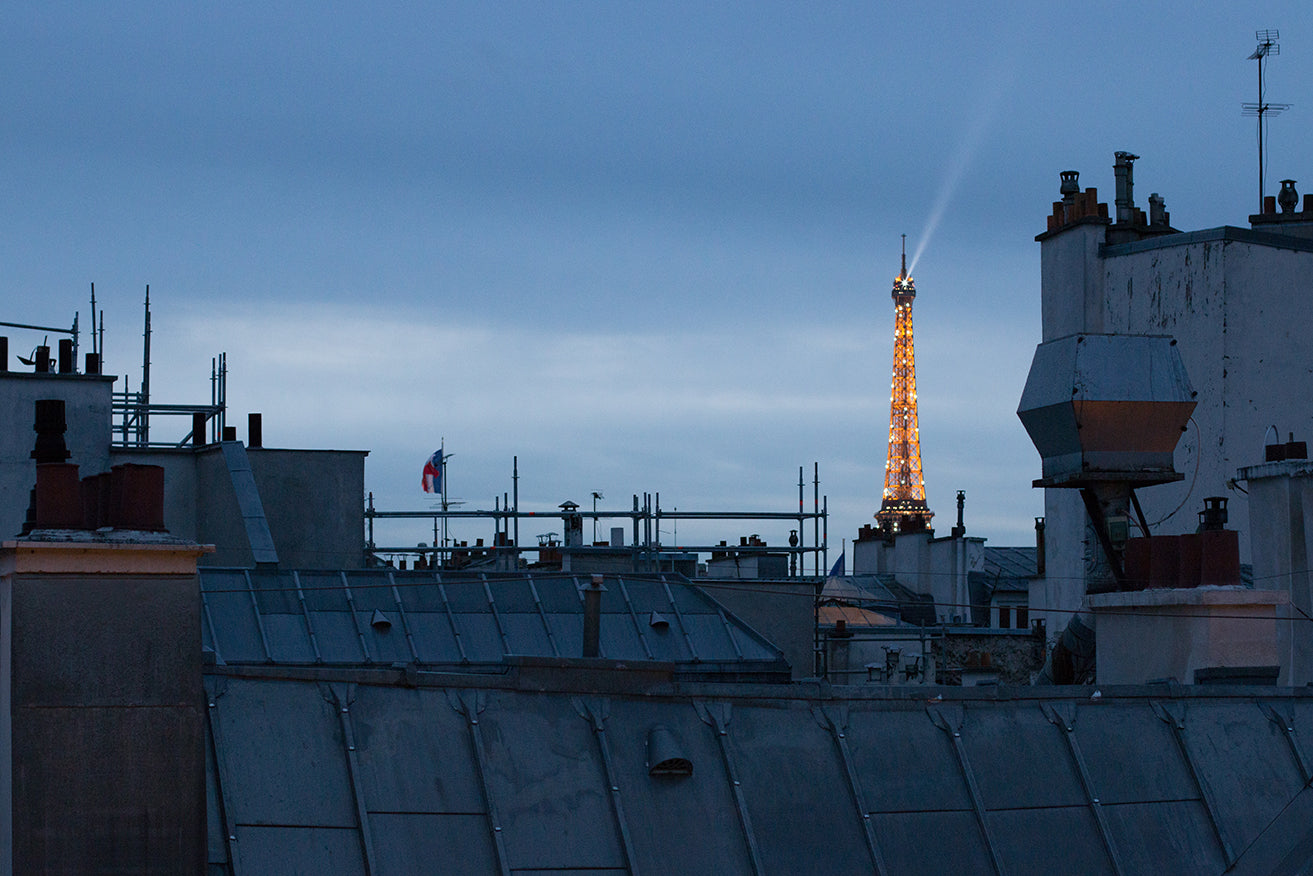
[(967, 147)]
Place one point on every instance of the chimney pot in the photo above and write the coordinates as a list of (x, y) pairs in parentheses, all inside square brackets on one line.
[(1287, 198), (1070, 184), (50, 427)]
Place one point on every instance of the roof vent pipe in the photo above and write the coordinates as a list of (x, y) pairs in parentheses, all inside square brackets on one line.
[(1123, 170), (1040, 559), (592, 592)]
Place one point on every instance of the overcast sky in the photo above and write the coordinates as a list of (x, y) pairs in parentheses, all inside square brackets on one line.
[(644, 247)]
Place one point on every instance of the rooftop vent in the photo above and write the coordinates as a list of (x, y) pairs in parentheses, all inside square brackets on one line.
[(665, 757), (1106, 407), (1105, 413)]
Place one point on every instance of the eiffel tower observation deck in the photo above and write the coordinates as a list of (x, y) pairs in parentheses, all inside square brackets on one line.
[(903, 507)]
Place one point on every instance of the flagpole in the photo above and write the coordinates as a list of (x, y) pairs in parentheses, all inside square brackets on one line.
[(442, 469)]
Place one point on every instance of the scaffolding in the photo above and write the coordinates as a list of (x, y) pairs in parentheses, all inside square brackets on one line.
[(131, 413), (644, 520)]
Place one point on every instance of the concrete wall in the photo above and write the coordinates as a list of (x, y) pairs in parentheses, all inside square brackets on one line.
[(1150, 635), (937, 567), (747, 565), (87, 411), (1072, 281), (313, 502), (1238, 303), (105, 715), (1240, 312), (180, 484), (1281, 534), (781, 611)]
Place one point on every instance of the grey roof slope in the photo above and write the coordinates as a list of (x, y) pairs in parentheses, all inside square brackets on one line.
[(1014, 565), (431, 619), (538, 771), (881, 592)]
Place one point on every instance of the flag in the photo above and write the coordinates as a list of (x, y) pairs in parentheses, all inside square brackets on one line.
[(837, 571), (432, 480)]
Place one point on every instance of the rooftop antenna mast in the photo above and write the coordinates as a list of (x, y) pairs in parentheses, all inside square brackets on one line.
[(597, 494), (1267, 46)]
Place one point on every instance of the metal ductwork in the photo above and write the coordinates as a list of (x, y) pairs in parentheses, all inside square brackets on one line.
[(1105, 413)]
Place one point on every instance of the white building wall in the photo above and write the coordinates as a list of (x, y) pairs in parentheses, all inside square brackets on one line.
[(1281, 496), (935, 567), (87, 413), (1239, 303)]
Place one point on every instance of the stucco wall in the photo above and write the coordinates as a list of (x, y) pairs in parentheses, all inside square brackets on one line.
[(1238, 303), (87, 412)]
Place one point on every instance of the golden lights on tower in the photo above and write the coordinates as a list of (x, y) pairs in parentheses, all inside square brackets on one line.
[(903, 505)]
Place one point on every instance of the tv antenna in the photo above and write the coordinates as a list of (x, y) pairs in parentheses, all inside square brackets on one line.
[(1267, 47)]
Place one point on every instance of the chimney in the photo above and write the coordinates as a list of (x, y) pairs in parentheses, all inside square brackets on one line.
[(254, 430), (197, 428), (4, 354), (960, 529), (66, 360), (1157, 210), (57, 497), (593, 615), (1123, 170)]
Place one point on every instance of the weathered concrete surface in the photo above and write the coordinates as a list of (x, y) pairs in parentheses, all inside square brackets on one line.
[(102, 722)]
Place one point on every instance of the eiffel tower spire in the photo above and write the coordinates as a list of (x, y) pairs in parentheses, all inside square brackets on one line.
[(903, 507)]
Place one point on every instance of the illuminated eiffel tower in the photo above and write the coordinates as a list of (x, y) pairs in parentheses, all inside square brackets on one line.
[(903, 507)]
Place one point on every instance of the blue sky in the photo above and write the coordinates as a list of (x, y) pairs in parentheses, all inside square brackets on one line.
[(644, 247)]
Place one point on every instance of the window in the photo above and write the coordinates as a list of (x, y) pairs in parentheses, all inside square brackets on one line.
[(1023, 617), (1004, 616)]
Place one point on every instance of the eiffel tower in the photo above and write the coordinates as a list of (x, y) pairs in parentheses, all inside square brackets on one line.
[(903, 507)]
